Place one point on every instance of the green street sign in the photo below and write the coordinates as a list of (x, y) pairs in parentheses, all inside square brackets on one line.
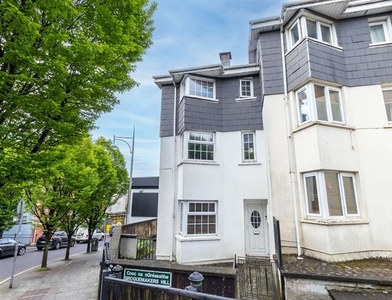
[(148, 276)]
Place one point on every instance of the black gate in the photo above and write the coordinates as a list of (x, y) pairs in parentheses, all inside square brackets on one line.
[(278, 245), (256, 278)]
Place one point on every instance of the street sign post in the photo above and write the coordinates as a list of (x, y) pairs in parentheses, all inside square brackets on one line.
[(148, 276)]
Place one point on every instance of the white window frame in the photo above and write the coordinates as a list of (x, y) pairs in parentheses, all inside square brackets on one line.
[(250, 80), (188, 140), (244, 159), (385, 21), (185, 214), (292, 42), (309, 89), (323, 198), (186, 83), (303, 30), (388, 104)]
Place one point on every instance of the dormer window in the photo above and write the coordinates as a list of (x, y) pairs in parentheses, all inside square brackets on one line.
[(199, 87), (311, 27)]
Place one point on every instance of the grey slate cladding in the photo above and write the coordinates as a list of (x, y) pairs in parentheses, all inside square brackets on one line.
[(224, 115), (354, 64), (271, 63), (166, 127)]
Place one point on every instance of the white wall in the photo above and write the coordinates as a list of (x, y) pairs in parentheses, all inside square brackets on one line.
[(362, 146), (230, 182), (165, 200), (280, 197)]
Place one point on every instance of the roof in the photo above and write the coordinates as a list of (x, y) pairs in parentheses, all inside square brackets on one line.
[(335, 9), (145, 182), (215, 71)]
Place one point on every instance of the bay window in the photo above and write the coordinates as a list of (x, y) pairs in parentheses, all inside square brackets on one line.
[(330, 194), (199, 87), (311, 27), (387, 94), (317, 102)]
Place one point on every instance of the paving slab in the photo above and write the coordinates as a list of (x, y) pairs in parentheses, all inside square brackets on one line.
[(77, 278)]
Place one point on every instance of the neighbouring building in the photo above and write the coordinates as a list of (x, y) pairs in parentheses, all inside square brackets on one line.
[(143, 203), (302, 133), (144, 195), (327, 97)]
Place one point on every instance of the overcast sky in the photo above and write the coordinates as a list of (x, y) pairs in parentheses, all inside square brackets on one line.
[(188, 33)]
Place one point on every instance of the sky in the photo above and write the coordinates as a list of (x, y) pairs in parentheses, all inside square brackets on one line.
[(188, 33)]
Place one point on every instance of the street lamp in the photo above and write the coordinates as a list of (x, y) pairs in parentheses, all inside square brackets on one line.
[(131, 151)]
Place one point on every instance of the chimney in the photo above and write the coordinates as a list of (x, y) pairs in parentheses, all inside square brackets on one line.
[(225, 58)]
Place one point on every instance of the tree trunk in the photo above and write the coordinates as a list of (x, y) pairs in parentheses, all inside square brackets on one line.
[(89, 244), (44, 262), (68, 250)]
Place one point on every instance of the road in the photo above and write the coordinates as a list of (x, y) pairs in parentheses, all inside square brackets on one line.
[(33, 258)]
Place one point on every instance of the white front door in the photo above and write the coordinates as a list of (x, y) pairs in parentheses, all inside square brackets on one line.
[(256, 231)]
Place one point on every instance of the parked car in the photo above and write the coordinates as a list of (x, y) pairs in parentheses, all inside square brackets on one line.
[(59, 239), (82, 235), (7, 247)]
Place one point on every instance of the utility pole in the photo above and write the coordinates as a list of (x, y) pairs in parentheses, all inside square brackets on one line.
[(20, 215)]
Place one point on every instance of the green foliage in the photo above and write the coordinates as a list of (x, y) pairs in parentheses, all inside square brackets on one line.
[(61, 63), (144, 248), (64, 177), (113, 183)]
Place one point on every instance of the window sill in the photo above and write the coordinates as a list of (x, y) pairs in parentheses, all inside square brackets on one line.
[(250, 163), (245, 99), (197, 162), (334, 222), (313, 123), (197, 238), (382, 44), (199, 98)]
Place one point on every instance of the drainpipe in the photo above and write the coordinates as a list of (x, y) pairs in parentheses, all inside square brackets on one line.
[(174, 174), (290, 147)]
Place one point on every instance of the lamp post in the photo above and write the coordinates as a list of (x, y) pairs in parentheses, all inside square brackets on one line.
[(131, 151)]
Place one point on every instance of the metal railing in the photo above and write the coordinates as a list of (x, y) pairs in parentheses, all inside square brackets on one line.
[(127, 290), (112, 287), (278, 246), (146, 248)]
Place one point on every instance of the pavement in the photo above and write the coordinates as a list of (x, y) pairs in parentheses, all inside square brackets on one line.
[(77, 278)]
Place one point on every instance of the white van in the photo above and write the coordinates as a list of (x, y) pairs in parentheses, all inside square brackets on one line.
[(82, 235)]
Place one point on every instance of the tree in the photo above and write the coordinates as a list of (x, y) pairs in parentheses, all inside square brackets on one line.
[(61, 63), (113, 183), (65, 177)]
